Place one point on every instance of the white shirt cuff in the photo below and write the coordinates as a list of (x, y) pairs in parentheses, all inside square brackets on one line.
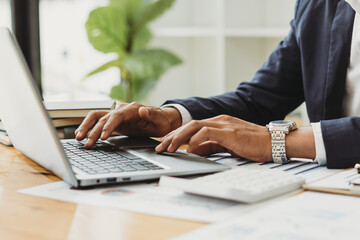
[(185, 114), (319, 144)]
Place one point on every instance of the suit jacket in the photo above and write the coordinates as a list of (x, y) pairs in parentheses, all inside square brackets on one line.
[(309, 65)]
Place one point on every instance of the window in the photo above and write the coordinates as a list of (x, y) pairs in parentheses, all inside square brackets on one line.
[(66, 54), (5, 14)]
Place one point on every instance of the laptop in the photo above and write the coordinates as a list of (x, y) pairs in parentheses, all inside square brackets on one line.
[(117, 160)]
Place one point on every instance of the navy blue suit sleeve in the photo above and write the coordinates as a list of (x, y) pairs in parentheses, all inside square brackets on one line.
[(275, 90), (342, 141)]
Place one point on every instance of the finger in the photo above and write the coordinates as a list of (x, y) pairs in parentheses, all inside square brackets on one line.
[(165, 142), (145, 123), (172, 141), (96, 131), (116, 119), (208, 134), (187, 131), (208, 148), (144, 113), (88, 123)]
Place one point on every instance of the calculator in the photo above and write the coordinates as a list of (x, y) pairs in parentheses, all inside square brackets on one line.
[(240, 184)]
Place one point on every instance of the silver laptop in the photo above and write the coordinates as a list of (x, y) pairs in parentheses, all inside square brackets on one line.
[(31, 131)]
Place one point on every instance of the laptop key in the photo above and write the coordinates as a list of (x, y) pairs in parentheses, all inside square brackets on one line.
[(128, 169), (145, 163), (108, 166), (155, 167), (140, 168), (114, 170), (139, 160), (97, 168), (125, 161)]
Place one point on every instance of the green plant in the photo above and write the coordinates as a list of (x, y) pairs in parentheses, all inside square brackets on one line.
[(122, 28)]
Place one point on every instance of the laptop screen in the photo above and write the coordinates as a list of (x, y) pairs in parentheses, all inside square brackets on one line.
[(23, 114)]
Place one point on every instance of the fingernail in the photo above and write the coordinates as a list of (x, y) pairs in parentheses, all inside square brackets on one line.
[(77, 133), (189, 150), (170, 148), (103, 134), (158, 147), (87, 142)]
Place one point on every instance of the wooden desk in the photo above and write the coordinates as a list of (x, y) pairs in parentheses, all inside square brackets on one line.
[(27, 217)]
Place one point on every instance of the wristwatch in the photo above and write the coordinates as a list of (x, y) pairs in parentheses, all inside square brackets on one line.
[(278, 130)]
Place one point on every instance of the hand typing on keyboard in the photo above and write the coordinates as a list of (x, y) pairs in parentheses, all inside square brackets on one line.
[(222, 133), (104, 158), (131, 119)]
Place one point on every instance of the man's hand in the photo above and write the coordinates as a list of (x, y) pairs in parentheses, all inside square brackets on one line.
[(131, 119), (221, 134)]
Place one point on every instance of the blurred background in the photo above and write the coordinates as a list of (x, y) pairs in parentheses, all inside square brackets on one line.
[(221, 43)]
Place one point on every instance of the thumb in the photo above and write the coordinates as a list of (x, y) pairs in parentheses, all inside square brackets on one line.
[(151, 114), (155, 116), (144, 114)]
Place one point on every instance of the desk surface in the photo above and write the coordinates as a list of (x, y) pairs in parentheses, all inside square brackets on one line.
[(28, 217)]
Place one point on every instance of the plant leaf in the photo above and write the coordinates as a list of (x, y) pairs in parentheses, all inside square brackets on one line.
[(118, 92), (115, 63), (145, 67), (149, 64), (107, 29), (137, 38), (152, 10), (141, 88), (130, 7), (122, 27), (141, 38)]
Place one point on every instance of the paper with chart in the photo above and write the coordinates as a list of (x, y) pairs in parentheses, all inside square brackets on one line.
[(346, 182), (341, 180), (150, 199), (311, 171), (307, 216)]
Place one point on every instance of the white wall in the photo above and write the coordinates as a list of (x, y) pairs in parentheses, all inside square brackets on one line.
[(5, 14), (222, 42)]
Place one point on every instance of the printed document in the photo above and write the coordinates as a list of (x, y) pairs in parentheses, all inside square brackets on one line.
[(315, 216), (150, 199)]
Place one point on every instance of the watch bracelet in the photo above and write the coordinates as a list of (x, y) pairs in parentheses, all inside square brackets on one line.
[(278, 147)]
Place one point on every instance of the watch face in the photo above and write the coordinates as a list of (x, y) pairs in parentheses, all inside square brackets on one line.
[(282, 122), (282, 125)]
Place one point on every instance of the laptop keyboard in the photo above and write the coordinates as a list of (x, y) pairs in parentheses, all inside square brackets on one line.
[(104, 158)]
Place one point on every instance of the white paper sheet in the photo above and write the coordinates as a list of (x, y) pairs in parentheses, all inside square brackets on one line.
[(309, 216), (341, 180), (148, 199)]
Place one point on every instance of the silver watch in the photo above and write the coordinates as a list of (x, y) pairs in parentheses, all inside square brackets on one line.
[(278, 130)]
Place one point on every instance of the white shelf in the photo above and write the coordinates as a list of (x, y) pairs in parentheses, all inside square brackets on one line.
[(221, 42), (185, 32), (261, 32)]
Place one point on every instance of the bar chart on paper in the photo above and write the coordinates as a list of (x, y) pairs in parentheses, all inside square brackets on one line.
[(308, 169)]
